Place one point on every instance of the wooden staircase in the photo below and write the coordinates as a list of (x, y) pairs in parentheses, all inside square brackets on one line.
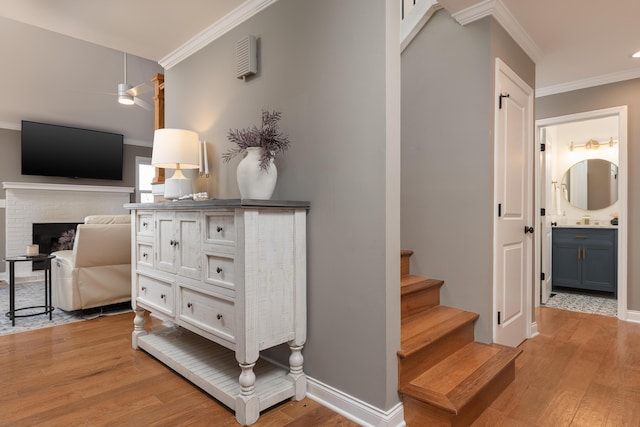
[(445, 377)]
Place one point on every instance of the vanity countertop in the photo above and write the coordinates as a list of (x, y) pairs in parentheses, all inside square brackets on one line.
[(601, 225)]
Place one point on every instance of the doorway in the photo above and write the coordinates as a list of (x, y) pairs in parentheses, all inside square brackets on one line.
[(570, 144)]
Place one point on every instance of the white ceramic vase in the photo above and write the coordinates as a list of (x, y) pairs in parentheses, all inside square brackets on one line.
[(254, 182)]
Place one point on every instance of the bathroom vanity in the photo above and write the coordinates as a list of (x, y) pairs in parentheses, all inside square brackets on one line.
[(585, 258)]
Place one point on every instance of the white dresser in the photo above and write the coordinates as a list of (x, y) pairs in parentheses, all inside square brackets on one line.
[(228, 277)]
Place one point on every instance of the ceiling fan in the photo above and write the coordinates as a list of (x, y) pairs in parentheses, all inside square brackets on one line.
[(128, 95)]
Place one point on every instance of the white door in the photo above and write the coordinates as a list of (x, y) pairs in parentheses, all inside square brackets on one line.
[(513, 256), (549, 193)]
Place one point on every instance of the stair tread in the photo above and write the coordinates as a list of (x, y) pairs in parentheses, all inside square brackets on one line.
[(411, 283), (452, 383), (426, 327)]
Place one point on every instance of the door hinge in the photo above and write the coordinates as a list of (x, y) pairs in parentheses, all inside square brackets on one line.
[(498, 318), (499, 209), (543, 212), (542, 276), (543, 147), (502, 95)]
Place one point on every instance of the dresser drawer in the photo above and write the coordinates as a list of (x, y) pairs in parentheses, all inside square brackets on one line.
[(144, 224), (220, 229), (155, 292), (220, 270), (208, 312), (144, 254)]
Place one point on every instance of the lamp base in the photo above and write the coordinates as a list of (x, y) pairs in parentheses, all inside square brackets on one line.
[(177, 186)]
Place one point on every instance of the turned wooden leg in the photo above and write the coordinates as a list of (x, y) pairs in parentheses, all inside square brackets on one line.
[(247, 402), (138, 327), (296, 372)]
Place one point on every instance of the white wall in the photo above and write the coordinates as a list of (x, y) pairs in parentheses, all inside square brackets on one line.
[(559, 138)]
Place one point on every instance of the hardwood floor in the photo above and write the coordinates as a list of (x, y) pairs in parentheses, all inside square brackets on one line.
[(87, 374), (582, 370)]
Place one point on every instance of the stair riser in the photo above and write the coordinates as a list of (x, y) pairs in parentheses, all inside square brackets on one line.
[(418, 301), (419, 414), (413, 365)]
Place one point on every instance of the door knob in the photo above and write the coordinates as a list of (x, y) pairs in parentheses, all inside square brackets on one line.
[(528, 229)]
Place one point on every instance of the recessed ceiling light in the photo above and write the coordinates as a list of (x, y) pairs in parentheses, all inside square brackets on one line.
[(636, 55)]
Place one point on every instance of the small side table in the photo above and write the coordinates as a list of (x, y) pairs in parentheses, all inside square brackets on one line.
[(48, 304)]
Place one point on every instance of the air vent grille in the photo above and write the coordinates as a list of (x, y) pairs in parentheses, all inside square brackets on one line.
[(247, 57)]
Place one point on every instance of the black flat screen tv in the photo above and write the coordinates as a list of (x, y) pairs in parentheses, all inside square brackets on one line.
[(53, 150)]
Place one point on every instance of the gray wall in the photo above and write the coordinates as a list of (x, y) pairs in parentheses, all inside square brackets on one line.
[(57, 79), (10, 161), (323, 65), (447, 156), (52, 78), (595, 98)]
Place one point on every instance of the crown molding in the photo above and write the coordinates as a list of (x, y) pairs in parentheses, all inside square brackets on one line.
[(222, 26), (588, 82), (504, 17)]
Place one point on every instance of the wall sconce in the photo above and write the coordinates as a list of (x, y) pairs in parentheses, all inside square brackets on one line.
[(592, 144), (176, 149)]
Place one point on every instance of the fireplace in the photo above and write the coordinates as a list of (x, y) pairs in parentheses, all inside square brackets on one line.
[(51, 237), (28, 203)]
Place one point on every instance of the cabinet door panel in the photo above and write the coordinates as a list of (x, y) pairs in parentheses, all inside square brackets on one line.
[(566, 264), (188, 245), (597, 268), (165, 238)]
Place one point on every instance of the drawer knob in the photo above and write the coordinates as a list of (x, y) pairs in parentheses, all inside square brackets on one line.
[(189, 305), (145, 224), (143, 289), (144, 254), (219, 229), (163, 296), (218, 270), (219, 316)]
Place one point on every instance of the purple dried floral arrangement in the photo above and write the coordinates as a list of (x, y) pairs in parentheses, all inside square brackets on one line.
[(65, 241), (268, 137)]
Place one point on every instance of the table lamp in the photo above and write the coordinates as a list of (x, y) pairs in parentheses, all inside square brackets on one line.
[(175, 149)]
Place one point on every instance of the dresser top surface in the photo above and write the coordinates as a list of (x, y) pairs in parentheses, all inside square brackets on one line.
[(221, 203)]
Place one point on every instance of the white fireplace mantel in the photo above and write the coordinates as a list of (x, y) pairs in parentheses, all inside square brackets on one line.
[(66, 187)]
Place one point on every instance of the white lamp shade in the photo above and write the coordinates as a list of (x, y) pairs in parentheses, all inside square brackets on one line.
[(173, 147)]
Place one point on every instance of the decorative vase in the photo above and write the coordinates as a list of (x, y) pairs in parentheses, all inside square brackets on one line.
[(253, 181)]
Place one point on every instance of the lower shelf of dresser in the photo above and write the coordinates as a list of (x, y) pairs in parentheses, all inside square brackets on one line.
[(214, 368)]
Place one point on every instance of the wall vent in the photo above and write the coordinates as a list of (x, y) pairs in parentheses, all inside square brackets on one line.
[(247, 57)]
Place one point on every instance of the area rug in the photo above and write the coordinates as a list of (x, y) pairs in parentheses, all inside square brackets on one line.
[(583, 303), (32, 294)]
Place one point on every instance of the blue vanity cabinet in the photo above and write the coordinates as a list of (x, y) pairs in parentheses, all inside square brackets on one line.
[(585, 258)]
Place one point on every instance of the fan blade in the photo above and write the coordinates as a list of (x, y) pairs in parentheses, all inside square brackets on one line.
[(140, 89), (143, 104)]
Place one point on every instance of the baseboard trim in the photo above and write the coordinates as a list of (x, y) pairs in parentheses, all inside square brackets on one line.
[(633, 316), (352, 408)]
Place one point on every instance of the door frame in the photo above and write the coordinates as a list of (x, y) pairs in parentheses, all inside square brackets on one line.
[(621, 113)]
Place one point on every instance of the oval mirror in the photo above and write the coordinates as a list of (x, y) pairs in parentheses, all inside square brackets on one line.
[(591, 184)]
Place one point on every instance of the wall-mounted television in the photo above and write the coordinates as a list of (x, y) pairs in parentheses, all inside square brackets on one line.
[(53, 150)]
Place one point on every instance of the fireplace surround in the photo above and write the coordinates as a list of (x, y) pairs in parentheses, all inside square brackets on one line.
[(29, 203)]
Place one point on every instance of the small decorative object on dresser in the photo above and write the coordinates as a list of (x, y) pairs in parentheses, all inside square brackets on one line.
[(256, 173), (229, 276)]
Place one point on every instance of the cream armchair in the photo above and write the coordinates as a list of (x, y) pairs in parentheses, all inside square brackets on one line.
[(97, 271)]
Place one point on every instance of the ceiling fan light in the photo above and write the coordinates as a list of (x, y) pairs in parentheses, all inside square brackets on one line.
[(125, 99), (123, 96)]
